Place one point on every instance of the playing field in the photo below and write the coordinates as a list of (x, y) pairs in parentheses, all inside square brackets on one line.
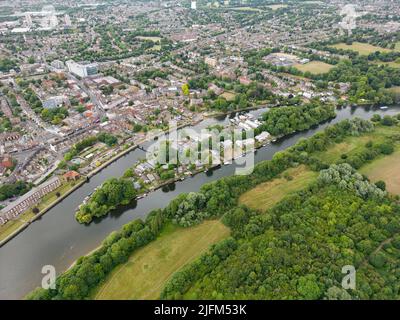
[(315, 67), (154, 39), (148, 269), (386, 169), (275, 7), (265, 195), (246, 9), (361, 48)]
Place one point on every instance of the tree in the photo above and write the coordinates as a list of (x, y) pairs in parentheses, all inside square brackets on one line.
[(381, 185), (185, 89)]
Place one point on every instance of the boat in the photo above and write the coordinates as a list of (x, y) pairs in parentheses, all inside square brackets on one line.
[(384, 107)]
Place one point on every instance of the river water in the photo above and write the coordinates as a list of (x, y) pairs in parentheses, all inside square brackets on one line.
[(57, 239)]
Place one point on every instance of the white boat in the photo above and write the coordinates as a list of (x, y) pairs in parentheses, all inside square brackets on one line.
[(384, 108)]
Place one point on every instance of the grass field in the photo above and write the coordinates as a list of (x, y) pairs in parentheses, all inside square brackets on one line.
[(275, 7), (246, 9), (397, 47), (352, 145), (361, 48), (386, 169), (154, 39), (267, 194), (395, 90), (315, 67), (148, 269), (392, 64), (13, 225), (229, 96)]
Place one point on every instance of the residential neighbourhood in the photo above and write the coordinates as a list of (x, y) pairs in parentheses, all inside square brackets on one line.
[(99, 89)]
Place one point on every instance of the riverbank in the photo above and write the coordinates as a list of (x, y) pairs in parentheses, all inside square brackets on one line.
[(59, 240), (37, 216), (20, 224)]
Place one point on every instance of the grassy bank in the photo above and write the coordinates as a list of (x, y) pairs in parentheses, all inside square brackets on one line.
[(148, 269)]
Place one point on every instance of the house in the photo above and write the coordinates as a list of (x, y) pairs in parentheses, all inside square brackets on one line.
[(71, 176), (244, 80)]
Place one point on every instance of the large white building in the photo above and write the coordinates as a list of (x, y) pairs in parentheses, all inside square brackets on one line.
[(29, 199), (81, 69), (193, 5)]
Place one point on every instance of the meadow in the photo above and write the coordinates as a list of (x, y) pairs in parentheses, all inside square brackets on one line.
[(361, 48), (148, 269), (315, 67), (267, 194)]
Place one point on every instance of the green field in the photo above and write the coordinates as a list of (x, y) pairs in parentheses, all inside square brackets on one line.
[(267, 194), (352, 145), (315, 67), (397, 47), (361, 48), (153, 39), (395, 90), (148, 269), (275, 7), (13, 225), (392, 64), (246, 9), (386, 169), (229, 96)]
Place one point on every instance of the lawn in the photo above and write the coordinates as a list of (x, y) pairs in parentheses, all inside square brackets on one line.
[(13, 225), (275, 7), (229, 96), (396, 90), (148, 269), (246, 9), (315, 67), (48, 199), (361, 48), (397, 47), (387, 169), (265, 195), (153, 39)]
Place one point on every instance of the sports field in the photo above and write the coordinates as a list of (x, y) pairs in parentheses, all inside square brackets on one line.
[(315, 67), (361, 48)]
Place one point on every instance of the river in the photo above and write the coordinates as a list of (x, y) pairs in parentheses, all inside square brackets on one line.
[(57, 239)]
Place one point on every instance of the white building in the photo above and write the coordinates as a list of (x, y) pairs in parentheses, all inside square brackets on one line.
[(55, 102), (67, 21), (81, 69), (193, 5)]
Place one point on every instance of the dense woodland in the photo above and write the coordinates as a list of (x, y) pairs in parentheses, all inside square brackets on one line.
[(339, 220), (283, 121), (297, 249)]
